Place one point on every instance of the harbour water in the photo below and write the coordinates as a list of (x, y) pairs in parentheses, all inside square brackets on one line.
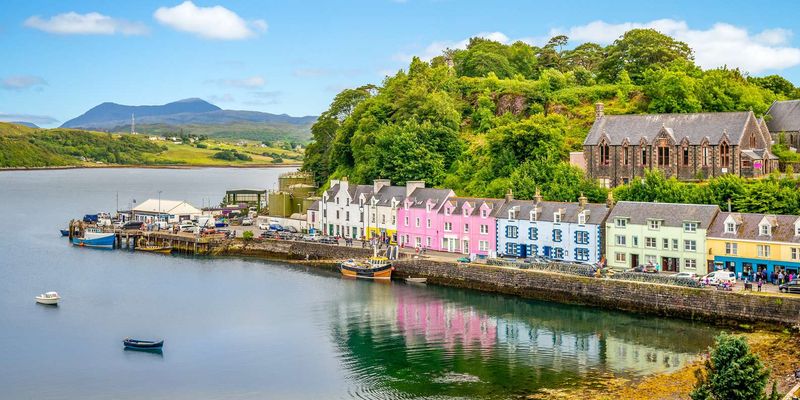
[(253, 329)]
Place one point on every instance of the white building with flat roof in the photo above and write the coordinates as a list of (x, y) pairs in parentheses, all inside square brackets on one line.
[(170, 211)]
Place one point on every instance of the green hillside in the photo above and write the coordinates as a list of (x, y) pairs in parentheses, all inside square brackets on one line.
[(241, 130), (494, 117)]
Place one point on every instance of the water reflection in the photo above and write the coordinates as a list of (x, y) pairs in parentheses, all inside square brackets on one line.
[(447, 342)]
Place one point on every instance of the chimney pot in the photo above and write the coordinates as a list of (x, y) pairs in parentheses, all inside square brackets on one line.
[(598, 110)]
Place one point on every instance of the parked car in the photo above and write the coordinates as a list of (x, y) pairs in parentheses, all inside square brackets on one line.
[(263, 227), (687, 275), (648, 269), (292, 229), (328, 240), (790, 287), (209, 231), (247, 222), (275, 227), (187, 227), (132, 225), (717, 277), (310, 238)]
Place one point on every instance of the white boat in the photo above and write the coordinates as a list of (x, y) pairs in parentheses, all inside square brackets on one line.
[(416, 280), (48, 298)]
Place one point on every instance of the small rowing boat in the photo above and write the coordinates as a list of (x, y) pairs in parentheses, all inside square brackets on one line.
[(49, 298), (155, 249), (142, 344), (416, 280)]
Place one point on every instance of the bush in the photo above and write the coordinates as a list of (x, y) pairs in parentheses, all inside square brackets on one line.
[(232, 155), (247, 235), (201, 146), (732, 372)]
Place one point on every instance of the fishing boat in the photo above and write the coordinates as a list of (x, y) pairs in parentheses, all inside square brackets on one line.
[(143, 245), (142, 344), (94, 237), (65, 232), (372, 268), (49, 298)]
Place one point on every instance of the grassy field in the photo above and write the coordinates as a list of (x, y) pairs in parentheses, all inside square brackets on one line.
[(186, 154)]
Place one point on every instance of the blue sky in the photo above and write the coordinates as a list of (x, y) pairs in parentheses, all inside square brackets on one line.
[(61, 58)]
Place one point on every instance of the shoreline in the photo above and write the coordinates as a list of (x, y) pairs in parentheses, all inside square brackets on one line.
[(149, 166)]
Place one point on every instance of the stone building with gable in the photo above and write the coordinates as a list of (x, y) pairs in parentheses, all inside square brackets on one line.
[(619, 148), (784, 117)]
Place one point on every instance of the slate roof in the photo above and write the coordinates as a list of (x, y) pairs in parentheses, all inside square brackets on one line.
[(597, 212), (314, 206), (747, 227), (358, 190), (421, 195), (695, 127), (671, 214), (387, 193), (785, 116), (475, 203)]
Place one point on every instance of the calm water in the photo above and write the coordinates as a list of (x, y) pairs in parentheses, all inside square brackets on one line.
[(249, 329)]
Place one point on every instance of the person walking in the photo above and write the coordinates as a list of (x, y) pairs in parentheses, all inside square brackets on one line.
[(781, 276), (760, 282)]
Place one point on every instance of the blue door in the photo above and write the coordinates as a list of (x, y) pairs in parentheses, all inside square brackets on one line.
[(521, 250), (547, 251)]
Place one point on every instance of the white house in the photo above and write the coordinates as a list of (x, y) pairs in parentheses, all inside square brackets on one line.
[(343, 211), (165, 210)]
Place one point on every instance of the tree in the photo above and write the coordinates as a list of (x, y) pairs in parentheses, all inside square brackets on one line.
[(247, 235), (671, 90), (777, 84), (733, 372), (639, 50)]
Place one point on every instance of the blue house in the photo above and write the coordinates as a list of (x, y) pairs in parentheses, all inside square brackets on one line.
[(554, 230)]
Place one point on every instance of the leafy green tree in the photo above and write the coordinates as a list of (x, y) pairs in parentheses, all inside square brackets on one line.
[(587, 55), (671, 91), (247, 235), (777, 84), (639, 50), (733, 372)]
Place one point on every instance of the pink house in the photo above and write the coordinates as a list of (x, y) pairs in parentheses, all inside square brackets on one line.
[(468, 226), (418, 220)]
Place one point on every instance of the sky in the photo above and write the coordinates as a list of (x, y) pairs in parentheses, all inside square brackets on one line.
[(60, 58)]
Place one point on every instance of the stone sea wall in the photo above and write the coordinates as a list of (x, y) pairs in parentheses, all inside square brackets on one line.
[(673, 301)]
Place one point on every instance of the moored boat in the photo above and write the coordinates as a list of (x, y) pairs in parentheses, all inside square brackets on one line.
[(49, 298), (65, 232), (155, 249), (94, 237), (371, 268), (416, 280), (142, 344)]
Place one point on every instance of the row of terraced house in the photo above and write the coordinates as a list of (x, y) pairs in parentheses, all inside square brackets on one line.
[(674, 237)]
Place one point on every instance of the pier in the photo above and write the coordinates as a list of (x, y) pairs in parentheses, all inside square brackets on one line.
[(180, 242)]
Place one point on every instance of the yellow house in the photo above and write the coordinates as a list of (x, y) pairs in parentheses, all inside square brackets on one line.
[(748, 243)]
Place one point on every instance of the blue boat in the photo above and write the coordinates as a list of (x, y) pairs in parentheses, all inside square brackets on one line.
[(64, 232), (93, 237), (142, 344)]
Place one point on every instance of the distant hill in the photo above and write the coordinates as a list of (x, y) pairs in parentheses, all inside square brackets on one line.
[(192, 116), (23, 123)]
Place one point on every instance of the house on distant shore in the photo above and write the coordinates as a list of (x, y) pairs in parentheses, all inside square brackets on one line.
[(171, 211), (619, 148), (784, 117)]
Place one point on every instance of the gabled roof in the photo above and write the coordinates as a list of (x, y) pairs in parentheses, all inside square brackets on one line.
[(783, 227), (695, 127), (671, 214), (175, 207), (547, 209), (314, 206), (420, 196), (358, 190), (785, 116), (387, 193), (475, 204)]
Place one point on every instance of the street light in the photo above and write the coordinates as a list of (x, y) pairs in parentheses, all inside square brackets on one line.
[(159, 208)]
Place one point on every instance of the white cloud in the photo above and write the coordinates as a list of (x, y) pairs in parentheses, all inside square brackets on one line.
[(436, 48), (215, 22), (21, 82), (93, 23), (722, 44), (253, 82)]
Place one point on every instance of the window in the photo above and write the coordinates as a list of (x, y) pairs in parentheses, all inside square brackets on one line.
[(556, 235), (690, 263), (405, 221), (731, 248), (483, 213), (625, 155), (653, 223), (582, 237), (582, 254), (650, 242), (605, 157), (663, 155), (724, 154), (533, 233), (484, 229), (650, 259), (665, 244), (511, 232), (448, 226), (620, 240), (483, 245), (675, 244), (763, 250), (752, 140), (620, 257), (620, 222), (690, 227), (394, 220), (764, 230), (446, 211), (635, 241), (556, 217), (418, 241), (795, 253), (347, 215), (644, 155), (383, 219), (690, 245), (466, 228), (325, 213), (558, 253), (534, 214), (685, 155), (417, 222), (797, 230), (533, 250), (428, 223), (428, 241), (706, 158), (512, 214), (337, 200), (582, 218), (730, 227), (337, 214)]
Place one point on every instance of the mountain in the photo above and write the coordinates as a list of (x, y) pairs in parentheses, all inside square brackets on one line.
[(23, 123), (191, 115)]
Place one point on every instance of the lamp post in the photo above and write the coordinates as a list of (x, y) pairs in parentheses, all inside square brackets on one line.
[(159, 208)]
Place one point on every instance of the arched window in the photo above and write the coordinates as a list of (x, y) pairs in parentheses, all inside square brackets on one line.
[(724, 154), (625, 154), (685, 155), (706, 155), (605, 157), (663, 154), (752, 140)]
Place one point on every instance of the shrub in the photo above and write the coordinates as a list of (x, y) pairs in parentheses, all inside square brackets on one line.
[(247, 235)]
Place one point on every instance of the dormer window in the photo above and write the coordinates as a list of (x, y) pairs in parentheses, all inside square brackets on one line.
[(797, 230), (483, 213), (428, 207), (653, 223), (690, 227), (730, 227), (764, 230), (512, 214), (582, 218), (446, 211), (620, 222), (534, 215), (556, 217)]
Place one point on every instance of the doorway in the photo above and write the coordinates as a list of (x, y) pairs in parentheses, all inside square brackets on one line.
[(634, 260)]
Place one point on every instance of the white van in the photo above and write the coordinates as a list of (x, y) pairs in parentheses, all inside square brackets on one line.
[(717, 277)]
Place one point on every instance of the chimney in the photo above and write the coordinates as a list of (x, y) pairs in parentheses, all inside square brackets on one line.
[(413, 185), (598, 110), (729, 205), (537, 197), (610, 199), (509, 195), (582, 200), (343, 184), (377, 184)]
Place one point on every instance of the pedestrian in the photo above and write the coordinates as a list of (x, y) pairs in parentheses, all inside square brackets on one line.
[(759, 284), (774, 277), (781, 276)]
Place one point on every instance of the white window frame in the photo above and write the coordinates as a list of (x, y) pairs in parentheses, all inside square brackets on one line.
[(621, 257), (448, 226), (690, 263), (484, 229), (690, 245), (620, 222), (730, 227), (620, 240), (690, 227), (653, 224), (650, 240)]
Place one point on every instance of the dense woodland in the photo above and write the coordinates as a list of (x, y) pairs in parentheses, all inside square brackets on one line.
[(493, 117)]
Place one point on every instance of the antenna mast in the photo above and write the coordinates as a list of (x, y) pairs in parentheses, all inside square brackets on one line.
[(133, 124)]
